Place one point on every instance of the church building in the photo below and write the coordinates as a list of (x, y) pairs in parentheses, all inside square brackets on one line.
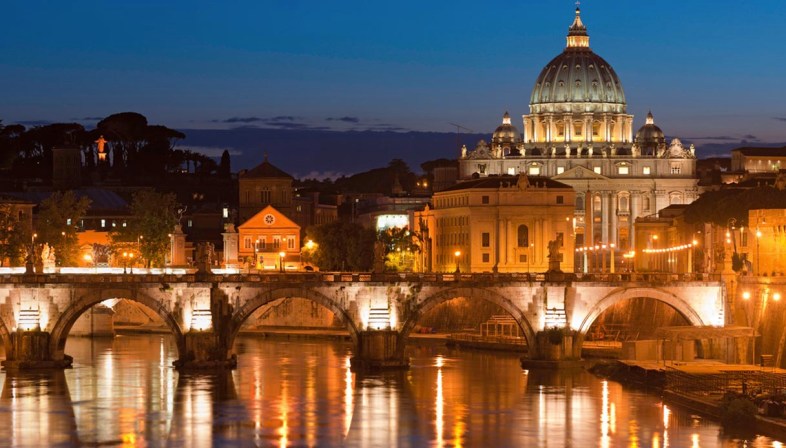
[(578, 132)]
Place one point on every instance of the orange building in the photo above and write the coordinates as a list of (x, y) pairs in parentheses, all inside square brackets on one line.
[(269, 241)]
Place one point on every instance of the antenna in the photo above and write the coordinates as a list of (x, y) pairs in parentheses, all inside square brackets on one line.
[(458, 133)]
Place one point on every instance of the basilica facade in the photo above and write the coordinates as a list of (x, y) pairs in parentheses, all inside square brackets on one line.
[(578, 132)]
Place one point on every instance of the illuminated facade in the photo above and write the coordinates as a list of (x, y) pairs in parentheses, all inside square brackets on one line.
[(267, 235), (497, 224), (578, 132)]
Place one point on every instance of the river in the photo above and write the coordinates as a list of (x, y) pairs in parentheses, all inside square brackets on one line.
[(124, 392)]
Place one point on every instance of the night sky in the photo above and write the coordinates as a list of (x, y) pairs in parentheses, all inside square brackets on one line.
[(711, 71)]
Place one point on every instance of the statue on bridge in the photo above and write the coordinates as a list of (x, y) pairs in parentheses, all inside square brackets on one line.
[(205, 255)]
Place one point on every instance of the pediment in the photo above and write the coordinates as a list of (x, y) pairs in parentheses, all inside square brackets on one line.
[(580, 172), (269, 217)]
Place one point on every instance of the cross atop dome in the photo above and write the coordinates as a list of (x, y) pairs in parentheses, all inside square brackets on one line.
[(577, 33)]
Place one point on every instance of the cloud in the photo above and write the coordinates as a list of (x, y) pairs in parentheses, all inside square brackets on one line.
[(779, 118), (242, 120), (344, 119), (720, 137), (386, 128), (750, 137), (321, 175), (88, 119), (35, 122)]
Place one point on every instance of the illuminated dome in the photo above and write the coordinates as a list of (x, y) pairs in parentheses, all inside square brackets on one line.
[(650, 138), (506, 133), (578, 75), (650, 132)]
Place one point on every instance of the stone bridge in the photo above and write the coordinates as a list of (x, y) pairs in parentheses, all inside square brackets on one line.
[(205, 311)]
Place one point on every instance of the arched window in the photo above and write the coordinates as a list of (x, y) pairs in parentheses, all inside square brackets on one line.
[(523, 236), (645, 203), (623, 203), (579, 202), (596, 204)]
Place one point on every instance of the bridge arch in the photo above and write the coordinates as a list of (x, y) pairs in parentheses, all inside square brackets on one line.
[(622, 294), (70, 315), (470, 293), (271, 295)]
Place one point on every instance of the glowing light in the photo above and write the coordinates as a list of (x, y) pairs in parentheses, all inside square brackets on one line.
[(776, 296), (746, 295), (310, 245), (29, 320), (439, 407), (201, 320)]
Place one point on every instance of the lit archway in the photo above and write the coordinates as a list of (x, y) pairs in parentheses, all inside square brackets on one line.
[(472, 294), (266, 297), (70, 315), (678, 304)]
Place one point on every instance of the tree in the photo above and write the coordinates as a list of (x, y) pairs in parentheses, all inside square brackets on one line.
[(342, 246), (153, 218), (14, 236), (400, 247), (56, 225), (224, 169)]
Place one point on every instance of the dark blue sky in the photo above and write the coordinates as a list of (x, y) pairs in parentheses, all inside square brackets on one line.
[(705, 68)]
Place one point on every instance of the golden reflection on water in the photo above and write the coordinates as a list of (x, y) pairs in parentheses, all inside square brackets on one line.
[(123, 392)]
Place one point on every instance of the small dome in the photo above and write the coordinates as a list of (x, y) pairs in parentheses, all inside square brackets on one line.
[(506, 134), (650, 133)]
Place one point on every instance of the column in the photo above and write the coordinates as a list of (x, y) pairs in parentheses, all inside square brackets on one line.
[(604, 216), (550, 130), (589, 238), (568, 127), (527, 133), (634, 212), (613, 221)]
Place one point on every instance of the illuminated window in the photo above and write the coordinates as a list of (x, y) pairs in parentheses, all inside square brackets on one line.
[(225, 212), (596, 170), (190, 223), (623, 170), (68, 221), (645, 171), (247, 242), (103, 223), (534, 170), (675, 169), (560, 169), (512, 170), (291, 242)]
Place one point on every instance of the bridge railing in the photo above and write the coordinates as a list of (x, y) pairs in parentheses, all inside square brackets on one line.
[(331, 277)]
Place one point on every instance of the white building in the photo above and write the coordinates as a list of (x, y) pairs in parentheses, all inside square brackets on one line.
[(578, 132)]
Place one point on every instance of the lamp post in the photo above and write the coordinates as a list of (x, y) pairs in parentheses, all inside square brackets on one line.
[(281, 256), (125, 262), (457, 254)]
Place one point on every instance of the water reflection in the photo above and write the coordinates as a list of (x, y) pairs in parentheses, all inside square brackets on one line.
[(36, 410), (285, 393)]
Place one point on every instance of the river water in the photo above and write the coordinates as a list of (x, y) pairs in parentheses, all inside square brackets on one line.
[(124, 392)]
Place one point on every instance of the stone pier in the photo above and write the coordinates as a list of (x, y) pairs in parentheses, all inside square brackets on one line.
[(380, 349), (30, 350)]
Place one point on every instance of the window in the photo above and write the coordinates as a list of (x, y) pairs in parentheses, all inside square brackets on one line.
[(68, 221), (623, 203), (645, 171), (247, 242), (560, 169), (512, 170), (225, 212), (534, 170), (190, 223), (291, 242), (262, 243), (522, 258), (103, 223), (485, 239), (264, 196), (560, 199), (623, 169), (486, 258), (125, 223), (484, 200), (523, 236), (596, 170), (675, 169), (645, 203), (276, 242)]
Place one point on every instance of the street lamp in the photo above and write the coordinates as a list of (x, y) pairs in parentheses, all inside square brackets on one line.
[(457, 254), (128, 257), (281, 256)]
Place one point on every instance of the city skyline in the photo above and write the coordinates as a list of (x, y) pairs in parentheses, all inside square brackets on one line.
[(703, 68)]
